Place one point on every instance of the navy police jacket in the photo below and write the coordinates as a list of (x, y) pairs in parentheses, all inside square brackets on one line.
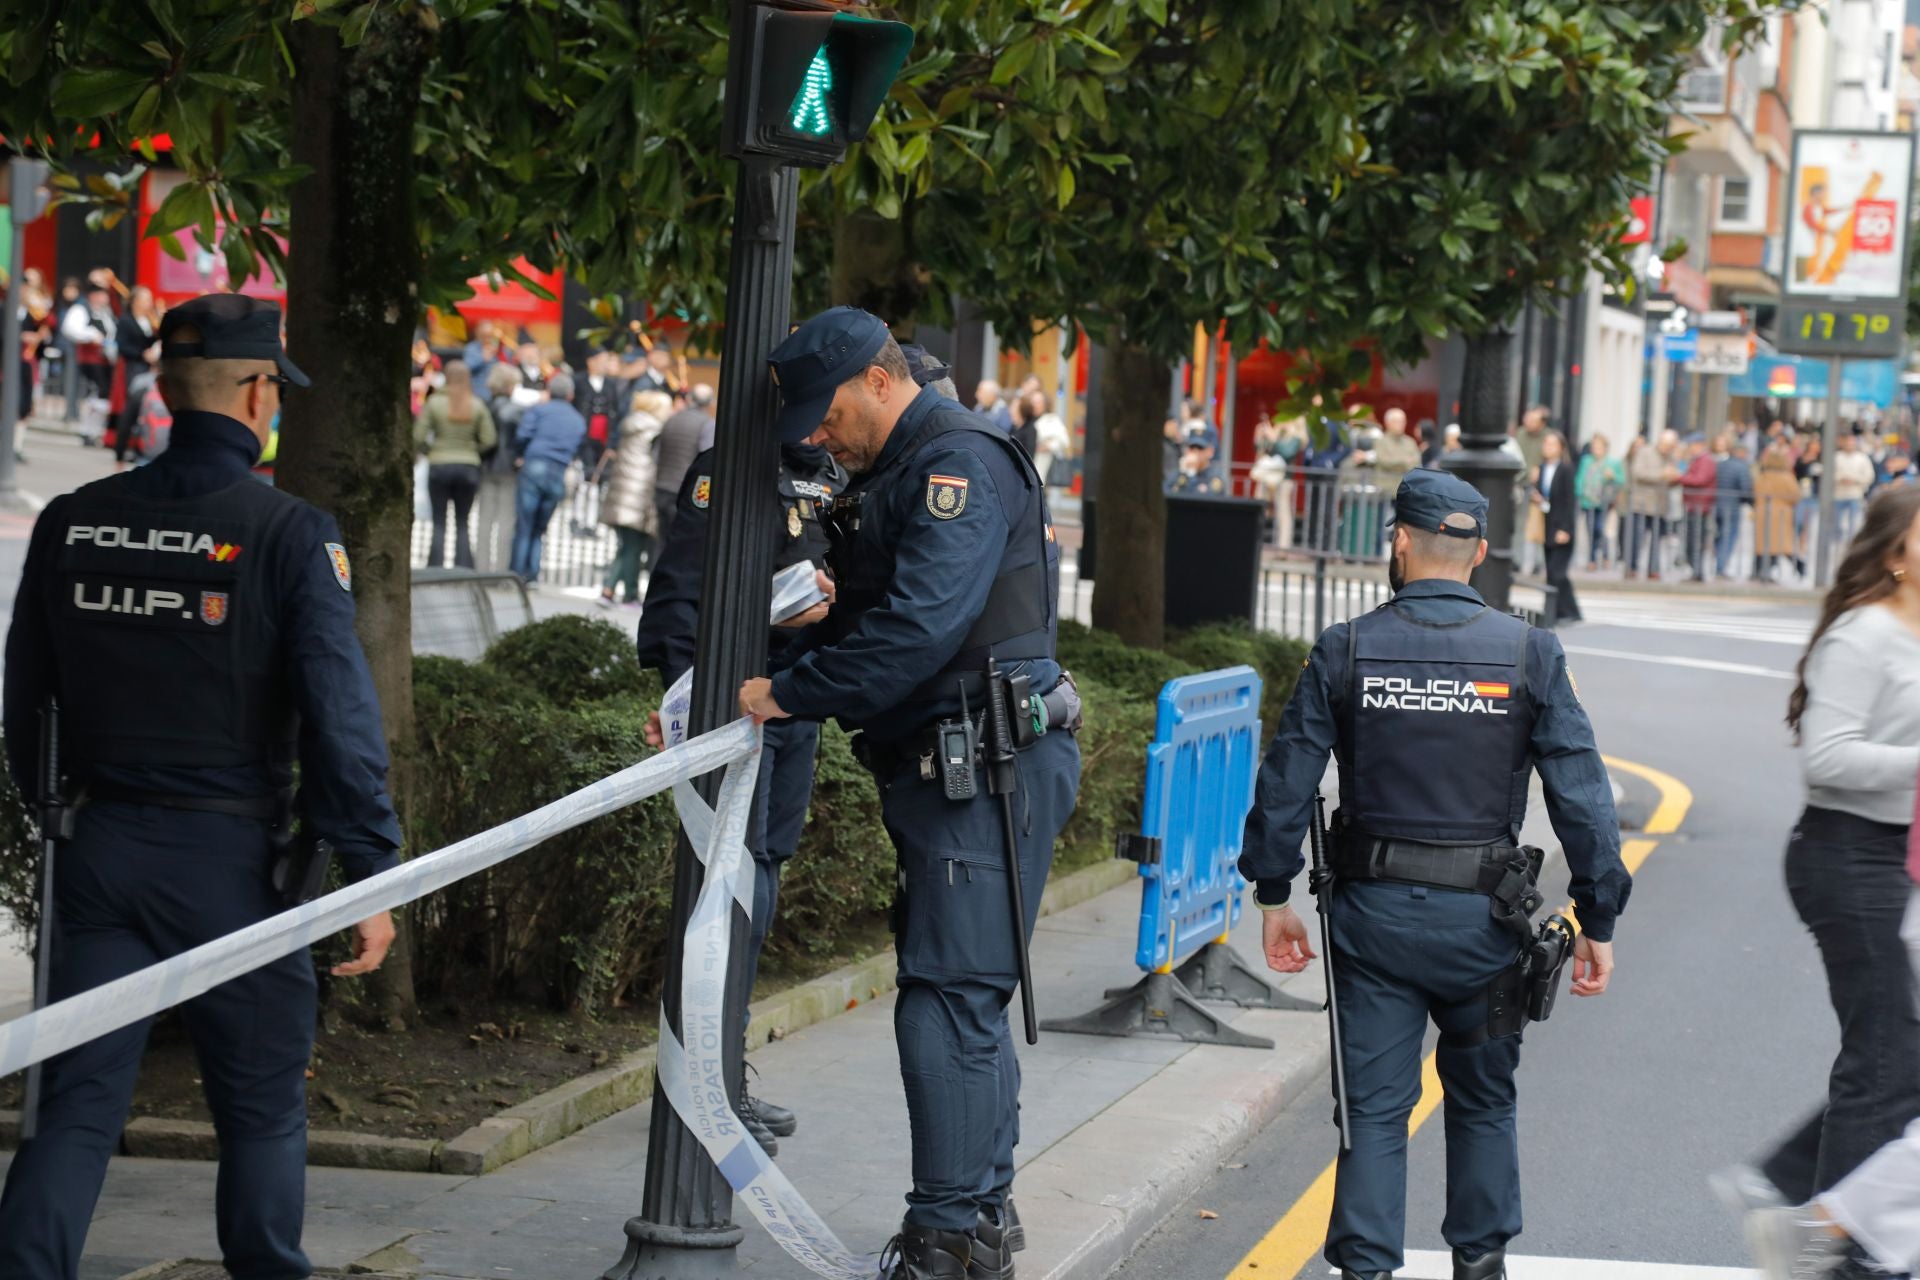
[(944, 555), (1443, 746), (197, 627), (809, 478)]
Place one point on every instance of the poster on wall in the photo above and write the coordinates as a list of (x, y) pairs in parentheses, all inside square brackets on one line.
[(1847, 226)]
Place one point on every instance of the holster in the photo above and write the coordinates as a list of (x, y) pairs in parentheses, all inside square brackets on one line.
[(300, 870)]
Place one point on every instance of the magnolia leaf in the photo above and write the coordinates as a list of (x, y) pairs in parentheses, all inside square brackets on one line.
[(354, 29)]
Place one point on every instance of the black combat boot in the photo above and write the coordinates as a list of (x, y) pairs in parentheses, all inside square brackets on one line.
[(1488, 1266), (1016, 1234), (761, 1134), (992, 1254), (778, 1121), (926, 1253), (1347, 1274)]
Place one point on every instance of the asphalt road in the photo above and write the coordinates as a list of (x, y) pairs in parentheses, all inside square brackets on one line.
[(1714, 1039)]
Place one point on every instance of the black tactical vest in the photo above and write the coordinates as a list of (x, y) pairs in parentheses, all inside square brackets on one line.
[(166, 622), (1436, 722), (807, 486), (1018, 622)]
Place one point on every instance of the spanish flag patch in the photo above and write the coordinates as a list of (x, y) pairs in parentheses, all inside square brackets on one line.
[(1487, 690)]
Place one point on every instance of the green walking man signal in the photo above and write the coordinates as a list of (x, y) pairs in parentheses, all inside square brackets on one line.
[(807, 78), (810, 113)]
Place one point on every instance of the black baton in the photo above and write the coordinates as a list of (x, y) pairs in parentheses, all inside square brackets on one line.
[(1003, 779), (1321, 882), (55, 826)]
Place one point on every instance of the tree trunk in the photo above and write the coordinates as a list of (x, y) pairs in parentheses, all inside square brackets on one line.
[(873, 269), (353, 302), (1129, 595)]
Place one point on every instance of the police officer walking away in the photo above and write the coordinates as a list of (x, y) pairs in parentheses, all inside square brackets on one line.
[(1438, 708), (196, 628), (944, 560), (807, 479)]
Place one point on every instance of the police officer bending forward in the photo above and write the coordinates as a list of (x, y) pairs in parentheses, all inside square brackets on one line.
[(943, 557), (196, 627), (1438, 707)]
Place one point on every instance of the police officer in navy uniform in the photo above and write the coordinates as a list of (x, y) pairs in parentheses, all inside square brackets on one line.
[(1438, 708), (806, 479), (196, 627), (943, 556)]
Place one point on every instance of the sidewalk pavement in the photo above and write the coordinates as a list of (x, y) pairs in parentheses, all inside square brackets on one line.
[(1117, 1133)]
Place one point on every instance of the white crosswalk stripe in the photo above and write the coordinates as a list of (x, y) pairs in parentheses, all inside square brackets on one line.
[(1431, 1265), (1764, 630)]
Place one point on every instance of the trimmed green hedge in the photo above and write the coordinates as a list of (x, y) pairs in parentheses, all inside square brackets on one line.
[(581, 921)]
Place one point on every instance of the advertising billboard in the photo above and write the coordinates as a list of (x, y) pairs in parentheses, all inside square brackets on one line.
[(1847, 224)]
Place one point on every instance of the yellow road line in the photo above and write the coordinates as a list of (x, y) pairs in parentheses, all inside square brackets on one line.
[(1295, 1240)]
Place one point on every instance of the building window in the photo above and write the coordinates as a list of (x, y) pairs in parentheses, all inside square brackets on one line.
[(1736, 202)]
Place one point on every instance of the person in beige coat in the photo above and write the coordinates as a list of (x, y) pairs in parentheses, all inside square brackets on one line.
[(1775, 492), (627, 506)]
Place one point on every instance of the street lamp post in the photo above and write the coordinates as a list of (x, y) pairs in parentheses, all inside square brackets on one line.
[(804, 79), (1485, 412)]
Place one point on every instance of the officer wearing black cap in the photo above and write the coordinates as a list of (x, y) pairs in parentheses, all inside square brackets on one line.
[(943, 557), (1437, 708), (196, 628), (807, 480)]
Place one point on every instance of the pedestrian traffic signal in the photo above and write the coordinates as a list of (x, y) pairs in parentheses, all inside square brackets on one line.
[(806, 78)]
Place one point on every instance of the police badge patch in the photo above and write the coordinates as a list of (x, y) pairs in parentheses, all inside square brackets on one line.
[(702, 491), (342, 568), (946, 496), (793, 521), (213, 607)]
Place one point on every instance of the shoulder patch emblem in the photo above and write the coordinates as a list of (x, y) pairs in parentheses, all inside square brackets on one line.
[(213, 607), (342, 567), (946, 496), (703, 492)]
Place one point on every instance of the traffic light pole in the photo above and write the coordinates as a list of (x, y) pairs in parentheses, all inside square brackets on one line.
[(1485, 415), (685, 1228)]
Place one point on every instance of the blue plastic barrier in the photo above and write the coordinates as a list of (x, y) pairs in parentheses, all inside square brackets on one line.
[(1200, 774), (1201, 768)]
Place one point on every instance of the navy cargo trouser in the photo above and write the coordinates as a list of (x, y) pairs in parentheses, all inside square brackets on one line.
[(958, 973), (781, 794), (136, 885), (1405, 955)]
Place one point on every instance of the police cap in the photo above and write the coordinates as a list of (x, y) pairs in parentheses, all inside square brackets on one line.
[(1428, 496), (232, 326), (815, 359), (927, 367)]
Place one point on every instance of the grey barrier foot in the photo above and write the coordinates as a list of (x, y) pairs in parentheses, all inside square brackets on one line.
[(661, 1251), (1159, 1004), (1216, 972)]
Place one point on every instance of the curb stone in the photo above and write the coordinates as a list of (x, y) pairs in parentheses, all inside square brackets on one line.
[(570, 1107)]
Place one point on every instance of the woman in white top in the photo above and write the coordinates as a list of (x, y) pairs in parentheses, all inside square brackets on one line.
[(1856, 713)]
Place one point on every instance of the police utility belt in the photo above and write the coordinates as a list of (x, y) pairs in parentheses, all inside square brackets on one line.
[(948, 751), (300, 865), (1508, 874)]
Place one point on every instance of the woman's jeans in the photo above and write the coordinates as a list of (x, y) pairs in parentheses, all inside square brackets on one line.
[(635, 550), (1848, 878), (455, 483), (1879, 1203), (1596, 536), (543, 484)]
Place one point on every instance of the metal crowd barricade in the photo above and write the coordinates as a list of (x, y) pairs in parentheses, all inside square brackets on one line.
[(1200, 774), (458, 613), (574, 552)]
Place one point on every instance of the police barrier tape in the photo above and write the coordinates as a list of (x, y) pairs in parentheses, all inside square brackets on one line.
[(690, 1072)]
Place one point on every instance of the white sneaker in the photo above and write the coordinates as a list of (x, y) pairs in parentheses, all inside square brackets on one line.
[(1743, 1188), (1789, 1242)]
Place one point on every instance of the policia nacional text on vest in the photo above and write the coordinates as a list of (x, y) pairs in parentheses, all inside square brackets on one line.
[(1440, 805)]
